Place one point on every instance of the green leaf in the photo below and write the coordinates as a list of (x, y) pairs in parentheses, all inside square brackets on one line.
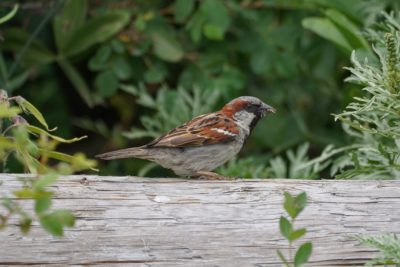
[(32, 148), (183, 8), (303, 254), (10, 14), (77, 80), (121, 68), (285, 227), (25, 224), (106, 83), (42, 204), (294, 205), (36, 130), (37, 53), (69, 21), (297, 234), (289, 205), (140, 24), (216, 13), (27, 107), (117, 46), (27, 193), (51, 224), (8, 112), (145, 98), (328, 30), (130, 89), (44, 181), (155, 74), (54, 222), (195, 25), (213, 32), (167, 48), (65, 217), (301, 201), (100, 59), (349, 30), (95, 31), (352, 9), (6, 143), (20, 135), (24, 193)]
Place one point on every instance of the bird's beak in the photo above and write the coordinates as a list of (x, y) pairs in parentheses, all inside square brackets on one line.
[(266, 108)]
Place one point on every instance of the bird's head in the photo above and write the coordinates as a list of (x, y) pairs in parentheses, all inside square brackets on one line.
[(247, 110)]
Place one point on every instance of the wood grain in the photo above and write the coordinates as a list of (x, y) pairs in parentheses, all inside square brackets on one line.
[(131, 221)]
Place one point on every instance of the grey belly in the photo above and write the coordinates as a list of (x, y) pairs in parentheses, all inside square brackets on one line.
[(190, 160)]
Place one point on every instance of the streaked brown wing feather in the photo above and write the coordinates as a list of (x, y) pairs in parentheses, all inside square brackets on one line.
[(197, 132)]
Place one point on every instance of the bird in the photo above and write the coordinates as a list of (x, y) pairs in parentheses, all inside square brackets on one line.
[(197, 147)]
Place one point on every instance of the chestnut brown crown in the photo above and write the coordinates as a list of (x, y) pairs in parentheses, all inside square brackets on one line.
[(250, 104)]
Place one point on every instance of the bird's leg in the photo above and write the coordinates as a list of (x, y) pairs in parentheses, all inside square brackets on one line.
[(210, 176)]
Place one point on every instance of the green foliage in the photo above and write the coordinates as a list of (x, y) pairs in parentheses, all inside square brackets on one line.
[(387, 244), (339, 29), (52, 221), (55, 221), (248, 167), (34, 147), (296, 164), (73, 35), (167, 48), (293, 168), (373, 119), (87, 53), (342, 21), (182, 9), (228, 47), (294, 205)]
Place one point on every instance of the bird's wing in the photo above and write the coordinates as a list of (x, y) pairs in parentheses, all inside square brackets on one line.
[(203, 130)]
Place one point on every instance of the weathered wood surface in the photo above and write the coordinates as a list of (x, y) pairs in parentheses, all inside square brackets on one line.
[(130, 221)]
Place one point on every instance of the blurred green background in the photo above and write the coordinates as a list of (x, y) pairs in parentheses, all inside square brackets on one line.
[(123, 72)]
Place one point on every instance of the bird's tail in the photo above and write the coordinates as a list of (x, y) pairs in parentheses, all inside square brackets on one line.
[(135, 152)]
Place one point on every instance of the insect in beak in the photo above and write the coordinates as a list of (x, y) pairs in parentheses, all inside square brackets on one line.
[(266, 108)]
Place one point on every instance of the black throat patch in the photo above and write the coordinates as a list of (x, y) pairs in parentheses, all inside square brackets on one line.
[(254, 122), (257, 115)]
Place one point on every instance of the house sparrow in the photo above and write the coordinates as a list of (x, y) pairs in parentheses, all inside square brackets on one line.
[(206, 142)]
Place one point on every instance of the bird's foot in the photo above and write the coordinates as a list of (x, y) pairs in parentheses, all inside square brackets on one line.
[(210, 176)]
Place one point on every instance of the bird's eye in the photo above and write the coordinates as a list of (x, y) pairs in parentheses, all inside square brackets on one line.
[(252, 107)]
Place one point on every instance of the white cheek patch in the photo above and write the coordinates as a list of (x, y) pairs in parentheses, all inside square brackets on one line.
[(223, 132), (244, 118)]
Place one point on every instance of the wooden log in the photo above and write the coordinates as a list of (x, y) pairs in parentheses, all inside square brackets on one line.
[(131, 221)]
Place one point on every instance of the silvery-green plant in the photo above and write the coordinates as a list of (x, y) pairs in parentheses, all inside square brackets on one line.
[(373, 119), (387, 244)]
